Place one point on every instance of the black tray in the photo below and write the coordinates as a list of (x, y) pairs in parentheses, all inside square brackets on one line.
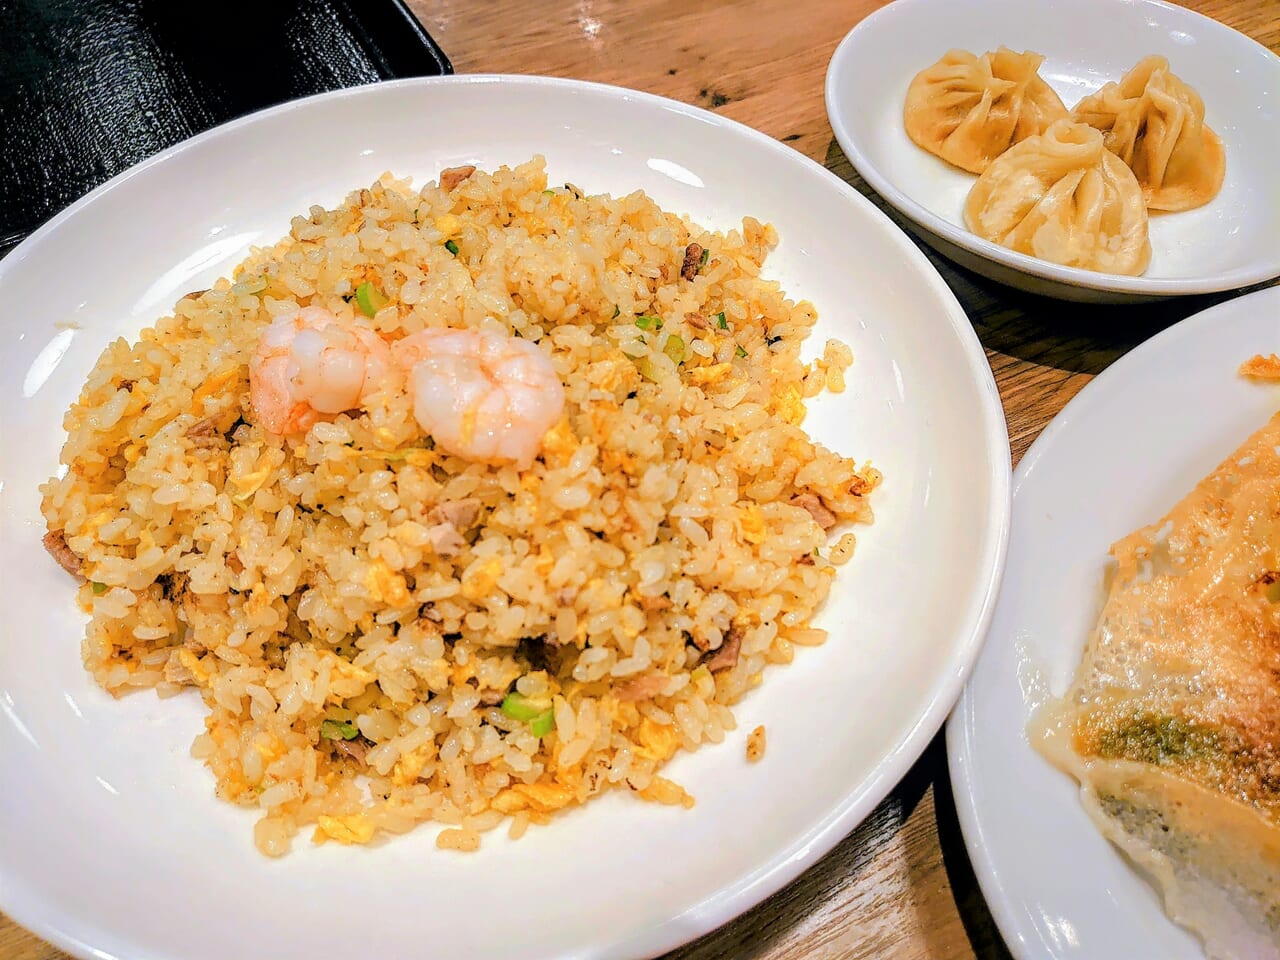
[(90, 87)]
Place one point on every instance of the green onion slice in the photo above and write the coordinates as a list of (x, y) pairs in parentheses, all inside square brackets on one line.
[(339, 730), (539, 714), (647, 321), (674, 348), (451, 246), (370, 299), (252, 286), (543, 723), (519, 707)]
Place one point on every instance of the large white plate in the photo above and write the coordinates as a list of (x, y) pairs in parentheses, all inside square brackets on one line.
[(111, 841), (1125, 450), (1226, 244)]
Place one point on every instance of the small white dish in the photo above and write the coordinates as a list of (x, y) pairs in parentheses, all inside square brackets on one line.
[(1133, 443), (112, 843), (1226, 244)]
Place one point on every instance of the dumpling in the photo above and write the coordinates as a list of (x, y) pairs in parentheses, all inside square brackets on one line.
[(968, 110), (1155, 123), (1172, 723), (1063, 197)]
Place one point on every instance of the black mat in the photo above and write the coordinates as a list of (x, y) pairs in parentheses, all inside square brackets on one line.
[(90, 87)]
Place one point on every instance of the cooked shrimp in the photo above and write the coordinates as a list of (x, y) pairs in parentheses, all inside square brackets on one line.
[(481, 395), (310, 364)]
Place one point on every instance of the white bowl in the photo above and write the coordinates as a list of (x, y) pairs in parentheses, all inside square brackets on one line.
[(111, 840), (1133, 443), (1230, 242)]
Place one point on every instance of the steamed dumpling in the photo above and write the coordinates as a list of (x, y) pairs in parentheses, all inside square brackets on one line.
[(1063, 197), (968, 110), (1155, 123)]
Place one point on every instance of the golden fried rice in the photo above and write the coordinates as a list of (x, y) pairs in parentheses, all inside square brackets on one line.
[(594, 614)]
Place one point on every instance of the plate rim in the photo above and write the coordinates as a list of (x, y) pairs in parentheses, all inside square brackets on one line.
[(45, 919), (960, 727), (1023, 263)]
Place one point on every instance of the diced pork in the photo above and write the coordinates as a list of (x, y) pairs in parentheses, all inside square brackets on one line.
[(448, 520), (461, 513), (204, 433), (450, 178), (640, 688), (445, 539), (692, 261), (356, 749), (817, 509), (56, 544), (727, 656)]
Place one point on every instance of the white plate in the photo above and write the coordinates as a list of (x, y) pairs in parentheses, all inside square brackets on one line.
[(1228, 243), (113, 840), (1122, 453)]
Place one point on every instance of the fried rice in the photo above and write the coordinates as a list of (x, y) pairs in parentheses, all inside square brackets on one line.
[(598, 612)]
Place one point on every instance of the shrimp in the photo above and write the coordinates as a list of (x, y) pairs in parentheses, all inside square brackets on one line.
[(481, 395), (310, 364)]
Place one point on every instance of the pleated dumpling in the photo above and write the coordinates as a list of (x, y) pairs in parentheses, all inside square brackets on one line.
[(1154, 122), (1063, 197), (968, 110)]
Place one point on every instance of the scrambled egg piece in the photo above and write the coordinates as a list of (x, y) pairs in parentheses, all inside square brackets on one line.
[(346, 670), (662, 790), (94, 522), (193, 664), (354, 828), (618, 371), (509, 801), (250, 482), (347, 679), (270, 753), (560, 439), (415, 456), (460, 672), (790, 404), (700, 376), (385, 586), (258, 601), (616, 462), (752, 520), (448, 224), (538, 797), (481, 579), (658, 741), (1263, 368), (407, 768), (211, 387)]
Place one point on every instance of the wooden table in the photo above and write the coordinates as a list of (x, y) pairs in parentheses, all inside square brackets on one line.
[(900, 886)]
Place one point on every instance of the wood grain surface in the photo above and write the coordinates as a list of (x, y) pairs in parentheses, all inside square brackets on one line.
[(900, 886)]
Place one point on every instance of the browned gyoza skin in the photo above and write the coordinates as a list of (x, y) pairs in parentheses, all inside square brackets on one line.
[(1172, 724)]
